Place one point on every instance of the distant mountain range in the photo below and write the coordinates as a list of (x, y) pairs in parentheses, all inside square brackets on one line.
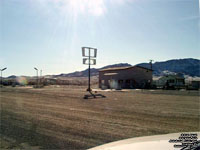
[(93, 71), (188, 66)]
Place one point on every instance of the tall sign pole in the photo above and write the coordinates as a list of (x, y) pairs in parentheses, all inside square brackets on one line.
[(89, 58), (88, 53), (89, 89)]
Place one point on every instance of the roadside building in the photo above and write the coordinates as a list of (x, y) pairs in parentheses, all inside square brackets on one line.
[(196, 84), (125, 77), (171, 81), (193, 84)]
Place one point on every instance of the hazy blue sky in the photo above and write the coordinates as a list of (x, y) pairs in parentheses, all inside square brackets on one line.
[(49, 34)]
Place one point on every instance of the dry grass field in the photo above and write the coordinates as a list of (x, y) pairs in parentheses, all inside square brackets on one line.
[(59, 117)]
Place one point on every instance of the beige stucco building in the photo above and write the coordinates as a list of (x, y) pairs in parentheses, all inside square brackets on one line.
[(125, 77)]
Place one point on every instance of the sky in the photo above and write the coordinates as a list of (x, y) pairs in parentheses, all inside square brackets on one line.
[(49, 34)]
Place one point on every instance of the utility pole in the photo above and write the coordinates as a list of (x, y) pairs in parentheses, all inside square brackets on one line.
[(151, 65), (2, 76)]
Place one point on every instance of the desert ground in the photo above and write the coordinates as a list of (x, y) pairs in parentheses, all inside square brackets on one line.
[(57, 117)]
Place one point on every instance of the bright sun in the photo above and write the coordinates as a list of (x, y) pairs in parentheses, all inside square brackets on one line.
[(94, 7), (77, 7)]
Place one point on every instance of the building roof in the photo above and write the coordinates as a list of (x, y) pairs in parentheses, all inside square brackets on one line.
[(123, 68)]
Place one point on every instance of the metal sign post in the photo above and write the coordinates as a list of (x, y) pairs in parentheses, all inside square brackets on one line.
[(89, 53), (89, 59), (89, 89)]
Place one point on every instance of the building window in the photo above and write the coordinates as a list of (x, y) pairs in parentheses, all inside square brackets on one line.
[(171, 81)]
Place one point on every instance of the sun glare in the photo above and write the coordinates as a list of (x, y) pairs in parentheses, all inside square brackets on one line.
[(93, 7), (87, 7)]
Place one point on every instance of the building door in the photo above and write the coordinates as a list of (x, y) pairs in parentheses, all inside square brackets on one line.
[(120, 84), (133, 84), (128, 84)]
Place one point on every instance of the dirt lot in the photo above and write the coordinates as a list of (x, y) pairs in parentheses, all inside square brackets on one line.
[(59, 117)]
